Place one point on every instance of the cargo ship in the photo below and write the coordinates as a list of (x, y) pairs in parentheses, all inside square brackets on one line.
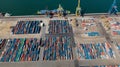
[(74, 40)]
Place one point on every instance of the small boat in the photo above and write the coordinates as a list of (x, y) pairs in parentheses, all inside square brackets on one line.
[(5, 15)]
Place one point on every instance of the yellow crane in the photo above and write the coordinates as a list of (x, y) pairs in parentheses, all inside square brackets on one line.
[(60, 10), (78, 9)]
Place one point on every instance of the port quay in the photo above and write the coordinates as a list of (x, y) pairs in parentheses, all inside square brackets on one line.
[(40, 41)]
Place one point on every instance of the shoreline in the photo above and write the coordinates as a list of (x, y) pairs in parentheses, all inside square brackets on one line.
[(69, 15), (86, 14)]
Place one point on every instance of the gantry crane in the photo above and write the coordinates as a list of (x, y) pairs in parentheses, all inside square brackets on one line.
[(113, 8), (60, 10), (78, 9)]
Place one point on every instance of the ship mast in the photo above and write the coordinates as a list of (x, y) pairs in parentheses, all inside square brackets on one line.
[(78, 9)]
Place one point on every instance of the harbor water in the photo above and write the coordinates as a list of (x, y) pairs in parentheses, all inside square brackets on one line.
[(30, 7)]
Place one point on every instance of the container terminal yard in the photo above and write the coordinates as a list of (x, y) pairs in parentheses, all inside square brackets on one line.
[(90, 41), (61, 40)]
